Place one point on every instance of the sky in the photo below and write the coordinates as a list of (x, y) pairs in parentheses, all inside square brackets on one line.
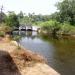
[(29, 6)]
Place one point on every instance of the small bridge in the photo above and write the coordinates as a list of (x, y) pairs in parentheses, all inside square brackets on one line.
[(27, 28)]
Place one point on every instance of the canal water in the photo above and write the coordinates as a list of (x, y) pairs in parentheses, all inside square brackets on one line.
[(59, 52)]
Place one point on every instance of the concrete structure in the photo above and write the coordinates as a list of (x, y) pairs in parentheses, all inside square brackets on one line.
[(27, 28)]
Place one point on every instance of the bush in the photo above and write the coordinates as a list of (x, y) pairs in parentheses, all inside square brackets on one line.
[(17, 39), (66, 28), (51, 26), (5, 28), (55, 27), (2, 34), (12, 20)]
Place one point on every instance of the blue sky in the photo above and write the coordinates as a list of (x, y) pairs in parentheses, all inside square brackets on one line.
[(30, 6)]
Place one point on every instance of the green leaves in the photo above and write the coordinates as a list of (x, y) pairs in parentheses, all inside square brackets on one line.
[(55, 27), (51, 26), (67, 11), (2, 34), (12, 20), (66, 28)]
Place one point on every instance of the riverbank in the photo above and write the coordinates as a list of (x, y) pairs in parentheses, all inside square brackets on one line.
[(21, 62)]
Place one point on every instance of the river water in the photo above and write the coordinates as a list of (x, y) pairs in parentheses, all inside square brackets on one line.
[(59, 52)]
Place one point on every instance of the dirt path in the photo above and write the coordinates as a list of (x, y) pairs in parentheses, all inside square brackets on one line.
[(7, 45)]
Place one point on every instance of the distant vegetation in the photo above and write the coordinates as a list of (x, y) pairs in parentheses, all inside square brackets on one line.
[(61, 22)]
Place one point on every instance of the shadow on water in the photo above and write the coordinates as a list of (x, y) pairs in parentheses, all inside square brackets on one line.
[(7, 65)]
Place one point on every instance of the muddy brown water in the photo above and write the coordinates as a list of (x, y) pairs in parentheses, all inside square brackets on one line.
[(59, 52)]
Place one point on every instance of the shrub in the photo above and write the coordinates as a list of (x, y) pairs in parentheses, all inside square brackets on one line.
[(55, 27), (2, 34), (66, 28), (51, 26), (5, 28), (12, 20), (17, 39)]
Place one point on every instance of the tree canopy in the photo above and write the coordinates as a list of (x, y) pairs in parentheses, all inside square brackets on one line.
[(67, 11), (12, 20)]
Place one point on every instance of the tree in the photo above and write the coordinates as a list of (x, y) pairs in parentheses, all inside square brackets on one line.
[(21, 15), (2, 15), (67, 11), (12, 20), (56, 16)]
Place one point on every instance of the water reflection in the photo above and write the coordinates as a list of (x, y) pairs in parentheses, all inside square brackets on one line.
[(64, 54), (59, 52), (27, 34)]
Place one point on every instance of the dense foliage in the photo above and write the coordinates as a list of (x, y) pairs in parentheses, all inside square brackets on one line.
[(66, 12), (56, 27), (2, 17), (12, 20), (50, 26), (32, 18)]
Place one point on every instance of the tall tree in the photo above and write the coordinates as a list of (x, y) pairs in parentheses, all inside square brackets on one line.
[(67, 11), (2, 15), (21, 15), (12, 20)]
